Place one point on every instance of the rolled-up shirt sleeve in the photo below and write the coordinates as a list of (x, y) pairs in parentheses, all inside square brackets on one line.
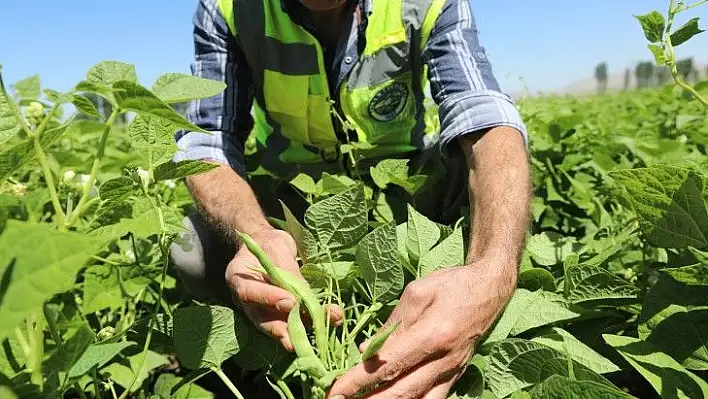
[(461, 79), (227, 115)]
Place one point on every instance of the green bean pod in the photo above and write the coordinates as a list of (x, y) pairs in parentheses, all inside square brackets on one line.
[(301, 343), (296, 286)]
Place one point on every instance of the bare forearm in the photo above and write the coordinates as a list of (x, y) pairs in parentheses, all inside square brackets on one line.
[(499, 183), (227, 201)]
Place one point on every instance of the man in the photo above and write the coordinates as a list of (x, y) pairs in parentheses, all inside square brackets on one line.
[(284, 58)]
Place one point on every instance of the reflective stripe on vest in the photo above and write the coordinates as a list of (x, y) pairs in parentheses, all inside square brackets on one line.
[(382, 98)]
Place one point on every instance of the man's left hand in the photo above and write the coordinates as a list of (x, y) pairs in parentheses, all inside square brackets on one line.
[(442, 316)]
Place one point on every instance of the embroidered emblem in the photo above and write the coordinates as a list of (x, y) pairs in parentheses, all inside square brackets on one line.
[(388, 102)]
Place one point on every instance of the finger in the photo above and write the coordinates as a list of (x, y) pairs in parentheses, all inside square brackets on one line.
[(335, 314), (262, 294), (418, 383), (273, 324), (403, 351), (441, 391)]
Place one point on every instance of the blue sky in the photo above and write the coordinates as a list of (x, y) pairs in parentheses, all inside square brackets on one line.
[(547, 43)]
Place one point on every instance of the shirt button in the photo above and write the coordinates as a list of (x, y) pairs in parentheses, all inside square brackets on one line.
[(348, 60)]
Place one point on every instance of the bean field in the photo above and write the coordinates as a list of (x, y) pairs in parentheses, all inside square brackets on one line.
[(612, 294)]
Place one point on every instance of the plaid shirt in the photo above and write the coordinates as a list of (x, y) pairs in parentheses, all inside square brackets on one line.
[(460, 74)]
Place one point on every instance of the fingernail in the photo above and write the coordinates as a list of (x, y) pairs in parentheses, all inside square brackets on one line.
[(338, 397), (285, 305)]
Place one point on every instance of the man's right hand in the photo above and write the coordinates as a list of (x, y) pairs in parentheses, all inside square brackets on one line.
[(264, 303)]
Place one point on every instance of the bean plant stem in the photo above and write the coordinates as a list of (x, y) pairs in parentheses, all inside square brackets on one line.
[(85, 195), (165, 250), (362, 322), (225, 379), (49, 179), (96, 387), (688, 7), (669, 49), (54, 332), (285, 388)]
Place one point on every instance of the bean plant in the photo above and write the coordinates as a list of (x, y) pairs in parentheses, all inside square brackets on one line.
[(611, 293)]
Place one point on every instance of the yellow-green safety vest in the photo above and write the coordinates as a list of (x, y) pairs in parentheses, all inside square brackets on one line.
[(382, 99)]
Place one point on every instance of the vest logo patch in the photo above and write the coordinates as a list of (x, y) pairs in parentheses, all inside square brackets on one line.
[(388, 102)]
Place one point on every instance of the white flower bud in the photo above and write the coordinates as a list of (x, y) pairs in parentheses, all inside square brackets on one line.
[(130, 255), (18, 190), (35, 112), (169, 184), (68, 176)]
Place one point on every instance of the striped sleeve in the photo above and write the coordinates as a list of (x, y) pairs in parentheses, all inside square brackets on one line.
[(226, 116), (461, 79)]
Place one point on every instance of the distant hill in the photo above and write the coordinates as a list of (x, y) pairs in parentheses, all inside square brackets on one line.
[(589, 85)]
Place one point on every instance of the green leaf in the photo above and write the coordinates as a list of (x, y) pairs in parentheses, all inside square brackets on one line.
[(653, 25), (162, 332), (387, 169), (701, 256), (379, 340), (166, 382), (550, 248), (9, 124), (304, 183), (11, 357), (178, 87), (171, 170), (528, 310), (377, 257), (37, 262), (658, 53), (537, 279), (470, 385), (7, 392), (116, 190), (57, 97), (686, 32), (190, 378), (681, 333), (565, 342), (71, 351), (16, 156), (150, 130), (423, 234), (123, 372), (669, 203), (449, 253), (668, 377), (97, 356), (319, 274), (85, 86), (136, 98), (340, 220), (257, 350), (674, 318), (592, 285), (205, 336), (110, 72), (332, 184), (560, 387), (304, 240), (85, 105), (515, 364), (691, 275), (101, 289), (28, 88)]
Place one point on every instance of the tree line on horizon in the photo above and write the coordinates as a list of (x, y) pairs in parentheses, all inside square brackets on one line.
[(648, 74)]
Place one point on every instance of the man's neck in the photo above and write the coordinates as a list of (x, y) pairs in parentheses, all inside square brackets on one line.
[(329, 23)]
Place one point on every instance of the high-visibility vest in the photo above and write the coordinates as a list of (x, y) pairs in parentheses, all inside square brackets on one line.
[(382, 99)]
